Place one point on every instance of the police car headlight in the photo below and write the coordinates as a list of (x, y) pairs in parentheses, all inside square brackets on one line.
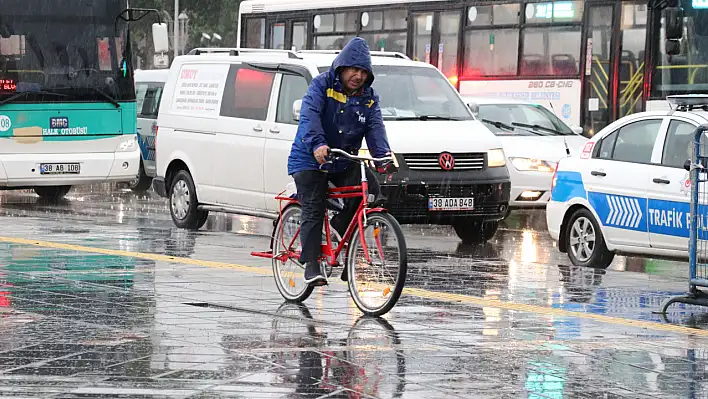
[(128, 144), (532, 165), (495, 158)]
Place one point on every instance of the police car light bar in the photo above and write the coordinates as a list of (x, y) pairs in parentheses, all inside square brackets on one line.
[(689, 102)]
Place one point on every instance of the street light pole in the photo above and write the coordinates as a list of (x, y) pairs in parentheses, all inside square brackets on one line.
[(175, 27)]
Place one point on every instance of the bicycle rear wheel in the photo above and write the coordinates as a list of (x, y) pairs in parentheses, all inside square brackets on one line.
[(289, 273), (376, 285)]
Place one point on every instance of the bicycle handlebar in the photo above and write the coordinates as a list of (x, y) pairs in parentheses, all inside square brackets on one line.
[(359, 158)]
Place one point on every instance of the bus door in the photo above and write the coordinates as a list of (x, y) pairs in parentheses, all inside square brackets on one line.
[(597, 103), (436, 40), (615, 37)]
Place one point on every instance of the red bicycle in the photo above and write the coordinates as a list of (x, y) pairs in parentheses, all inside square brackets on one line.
[(373, 247)]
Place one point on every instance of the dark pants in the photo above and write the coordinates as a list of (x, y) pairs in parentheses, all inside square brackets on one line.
[(312, 189)]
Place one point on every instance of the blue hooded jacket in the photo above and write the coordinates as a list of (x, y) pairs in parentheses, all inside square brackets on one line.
[(329, 117)]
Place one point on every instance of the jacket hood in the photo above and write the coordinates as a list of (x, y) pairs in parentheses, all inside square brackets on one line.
[(354, 54)]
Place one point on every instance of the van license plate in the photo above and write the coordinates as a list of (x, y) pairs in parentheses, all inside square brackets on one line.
[(451, 204), (59, 168)]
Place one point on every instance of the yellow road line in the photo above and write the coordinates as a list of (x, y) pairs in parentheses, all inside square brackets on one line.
[(441, 296)]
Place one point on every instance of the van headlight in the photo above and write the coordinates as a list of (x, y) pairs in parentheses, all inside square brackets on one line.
[(532, 165), (128, 144), (495, 158)]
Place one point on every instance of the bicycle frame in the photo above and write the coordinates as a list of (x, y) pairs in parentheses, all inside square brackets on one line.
[(359, 219)]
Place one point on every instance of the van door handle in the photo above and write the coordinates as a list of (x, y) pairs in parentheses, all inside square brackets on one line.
[(274, 129), (598, 173), (258, 128), (661, 181)]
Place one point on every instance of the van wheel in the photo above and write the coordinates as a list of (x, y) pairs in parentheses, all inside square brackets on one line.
[(584, 241), (183, 202), (52, 192), (475, 232), (142, 181)]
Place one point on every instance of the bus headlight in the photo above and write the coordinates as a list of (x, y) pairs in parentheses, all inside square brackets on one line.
[(128, 144), (495, 158)]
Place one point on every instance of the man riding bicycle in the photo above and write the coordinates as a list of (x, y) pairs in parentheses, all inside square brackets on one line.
[(339, 110)]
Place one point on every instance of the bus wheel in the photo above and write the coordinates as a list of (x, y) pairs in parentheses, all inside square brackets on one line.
[(52, 192)]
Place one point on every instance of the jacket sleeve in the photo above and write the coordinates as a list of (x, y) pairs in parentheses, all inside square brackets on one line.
[(311, 115), (376, 139)]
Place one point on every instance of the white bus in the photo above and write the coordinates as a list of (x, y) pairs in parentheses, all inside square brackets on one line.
[(590, 61)]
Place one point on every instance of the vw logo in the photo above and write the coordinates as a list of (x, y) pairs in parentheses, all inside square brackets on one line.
[(447, 161)]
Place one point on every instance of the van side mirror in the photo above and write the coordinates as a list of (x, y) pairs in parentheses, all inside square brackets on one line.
[(687, 165), (577, 129), (160, 37), (296, 110)]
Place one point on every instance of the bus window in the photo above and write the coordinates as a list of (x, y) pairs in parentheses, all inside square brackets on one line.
[(551, 51), (686, 72), (371, 21), (331, 42), (255, 33), (386, 41), (344, 25), (491, 40), (483, 59), (501, 14), (393, 22)]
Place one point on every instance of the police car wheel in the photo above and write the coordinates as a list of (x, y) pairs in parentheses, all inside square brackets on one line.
[(585, 243)]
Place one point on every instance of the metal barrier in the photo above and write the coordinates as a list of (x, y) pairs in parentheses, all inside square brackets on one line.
[(698, 229)]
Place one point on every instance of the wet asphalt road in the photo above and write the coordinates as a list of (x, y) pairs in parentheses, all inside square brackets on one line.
[(101, 296)]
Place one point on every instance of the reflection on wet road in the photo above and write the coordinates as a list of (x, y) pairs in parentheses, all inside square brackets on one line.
[(107, 298)]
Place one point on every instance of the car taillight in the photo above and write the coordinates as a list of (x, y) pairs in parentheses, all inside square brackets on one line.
[(154, 140)]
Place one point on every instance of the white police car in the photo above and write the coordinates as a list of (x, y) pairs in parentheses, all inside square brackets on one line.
[(627, 191)]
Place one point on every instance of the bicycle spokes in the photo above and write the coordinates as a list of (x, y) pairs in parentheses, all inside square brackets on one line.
[(286, 250), (376, 263)]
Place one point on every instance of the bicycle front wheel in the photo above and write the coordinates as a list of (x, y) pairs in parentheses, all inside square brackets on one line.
[(376, 283), (289, 273)]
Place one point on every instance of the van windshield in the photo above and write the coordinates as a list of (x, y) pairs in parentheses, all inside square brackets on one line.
[(416, 93)]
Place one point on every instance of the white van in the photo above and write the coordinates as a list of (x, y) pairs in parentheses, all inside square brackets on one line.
[(229, 118), (148, 93)]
